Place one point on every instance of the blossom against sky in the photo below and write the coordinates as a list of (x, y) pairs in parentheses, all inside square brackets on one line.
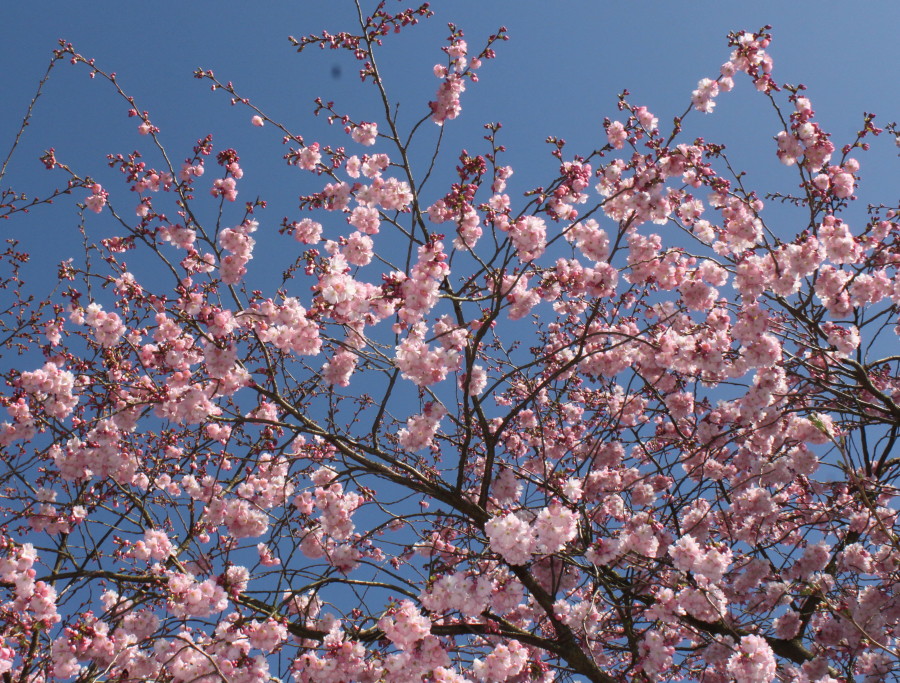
[(558, 75)]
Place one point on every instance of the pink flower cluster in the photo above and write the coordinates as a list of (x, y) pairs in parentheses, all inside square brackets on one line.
[(97, 199), (575, 179), (225, 187), (516, 539), (504, 661), (52, 387), (838, 180), (344, 661), (155, 545), (640, 196), (753, 661), (308, 158), (420, 429), (307, 231), (469, 595), (189, 597), (703, 98), (339, 368), (239, 244), (102, 453), (287, 327), (519, 296), (420, 290), (388, 193), (689, 556), (190, 171), (107, 328), (177, 235), (590, 239), (805, 139), (447, 106), (475, 381), (22, 426), (404, 625), (244, 516), (371, 165), (529, 237), (418, 362), (336, 506), (749, 56), (34, 602), (365, 133), (336, 285), (192, 656)]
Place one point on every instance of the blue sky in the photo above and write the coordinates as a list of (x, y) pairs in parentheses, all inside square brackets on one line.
[(559, 74)]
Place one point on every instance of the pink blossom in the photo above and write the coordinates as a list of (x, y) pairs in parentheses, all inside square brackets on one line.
[(404, 625), (289, 327), (53, 387), (839, 244), (337, 196), (529, 236), (108, 328), (703, 98), (420, 429), (845, 339), (339, 368), (308, 158), (188, 597), (787, 625), (358, 249), (337, 288), (554, 527), (753, 661), (469, 230), (512, 538), (225, 187), (476, 380), (646, 118), (155, 545), (616, 135), (504, 662), (689, 556), (420, 363), (365, 219), (468, 595), (189, 172), (307, 231), (97, 199), (590, 239), (706, 604), (657, 654), (365, 134), (448, 105), (266, 635), (831, 290), (501, 175), (790, 149)]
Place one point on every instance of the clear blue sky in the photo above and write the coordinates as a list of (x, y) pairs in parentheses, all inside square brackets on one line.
[(559, 74)]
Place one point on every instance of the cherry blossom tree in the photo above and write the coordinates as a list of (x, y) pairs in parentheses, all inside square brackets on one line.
[(635, 424)]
